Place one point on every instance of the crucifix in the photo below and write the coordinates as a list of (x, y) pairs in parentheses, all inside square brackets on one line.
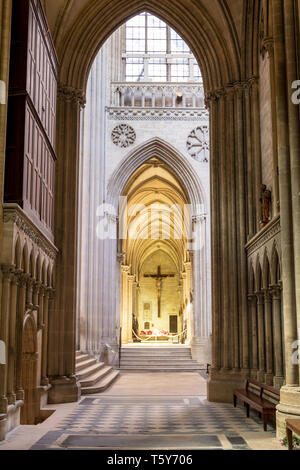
[(159, 278)]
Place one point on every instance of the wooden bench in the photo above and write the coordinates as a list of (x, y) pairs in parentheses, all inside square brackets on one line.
[(263, 405), (292, 427)]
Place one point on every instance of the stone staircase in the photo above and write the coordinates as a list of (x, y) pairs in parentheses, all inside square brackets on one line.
[(94, 377), (158, 359)]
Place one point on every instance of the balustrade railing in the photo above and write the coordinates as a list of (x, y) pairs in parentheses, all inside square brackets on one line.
[(157, 95)]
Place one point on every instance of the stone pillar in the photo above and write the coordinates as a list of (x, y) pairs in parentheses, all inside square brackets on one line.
[(62, 324), (200, 341), (250, 170), (289, 305), (11, 395), (285, 31), (278, 352), (215, 232), (268, 338), (292, 67), (124, 303), (130, 307), (48, 294), (254, 335), (6, 10), (4, 333), (261, 337), (241, 216), (21, 310)]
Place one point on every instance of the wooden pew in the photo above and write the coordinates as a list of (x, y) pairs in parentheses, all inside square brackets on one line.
[(292, 427), (260, 402)]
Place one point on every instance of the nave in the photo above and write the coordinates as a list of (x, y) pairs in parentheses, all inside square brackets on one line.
[(146, 411)]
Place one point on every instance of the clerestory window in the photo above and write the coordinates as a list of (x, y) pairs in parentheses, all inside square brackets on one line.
[(155, 52)]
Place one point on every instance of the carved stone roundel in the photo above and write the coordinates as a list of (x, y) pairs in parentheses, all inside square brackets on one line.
[(123, 135), (198, 144)]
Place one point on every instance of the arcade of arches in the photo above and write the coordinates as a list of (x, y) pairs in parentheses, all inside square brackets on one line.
[(88, 122)]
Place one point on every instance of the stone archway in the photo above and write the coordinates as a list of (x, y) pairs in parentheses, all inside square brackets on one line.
[(231, 86), (30, 410), (197, 271)]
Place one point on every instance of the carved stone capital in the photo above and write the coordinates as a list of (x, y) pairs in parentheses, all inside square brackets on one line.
[(71, 94), (7, 272)]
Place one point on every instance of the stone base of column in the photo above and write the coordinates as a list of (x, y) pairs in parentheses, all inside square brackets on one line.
[(288, 408), (221, 385), (261, 376), (253, 374), (64, 390), (269, 379), (201, 351), (278, 382)]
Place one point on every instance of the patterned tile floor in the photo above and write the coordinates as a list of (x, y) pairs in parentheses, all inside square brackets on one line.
[(135, 420)]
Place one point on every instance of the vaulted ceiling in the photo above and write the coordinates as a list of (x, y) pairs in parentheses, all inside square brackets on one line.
[(219, 29), (155, 213)]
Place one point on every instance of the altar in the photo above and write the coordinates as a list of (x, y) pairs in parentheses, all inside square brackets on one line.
[(158, 335)]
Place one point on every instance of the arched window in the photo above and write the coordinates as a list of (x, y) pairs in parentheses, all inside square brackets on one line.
[(155, 52)]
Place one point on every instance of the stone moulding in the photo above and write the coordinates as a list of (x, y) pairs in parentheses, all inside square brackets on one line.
[(262, 238), (127, 113), (15, 215), (235, 87), (71, 94)]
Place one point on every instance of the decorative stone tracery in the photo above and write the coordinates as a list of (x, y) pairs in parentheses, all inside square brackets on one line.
[(198, 143), (123, 135)]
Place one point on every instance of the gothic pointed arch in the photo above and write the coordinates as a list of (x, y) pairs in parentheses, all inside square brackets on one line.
[(215, 44), (177, 163)]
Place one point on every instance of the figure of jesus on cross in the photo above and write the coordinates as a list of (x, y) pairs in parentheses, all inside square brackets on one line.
[(159, 278)]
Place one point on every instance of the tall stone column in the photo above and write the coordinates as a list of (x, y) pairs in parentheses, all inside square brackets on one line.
[(269, 338), (4, 333), (212, 103), (242, 228), (21, 310), (62, 324), (130, 307), (285, 30), (5, 40), (254, 335), (261, 337), (124, 303), (200, 342), (278, 352), (11, 395), (48, 295), (292, 67), (230, 121)]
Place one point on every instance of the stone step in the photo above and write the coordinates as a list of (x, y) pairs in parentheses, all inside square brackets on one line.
[(85, 373), (160, 364), (157, 362), (153, 348), (156, 358), (85, 364), (102, 385), (168, 356), (97, 377), (155, 353), (81, 358), (173, 369)]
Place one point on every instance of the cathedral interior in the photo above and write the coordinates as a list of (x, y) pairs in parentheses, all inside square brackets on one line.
[(149, 224)]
